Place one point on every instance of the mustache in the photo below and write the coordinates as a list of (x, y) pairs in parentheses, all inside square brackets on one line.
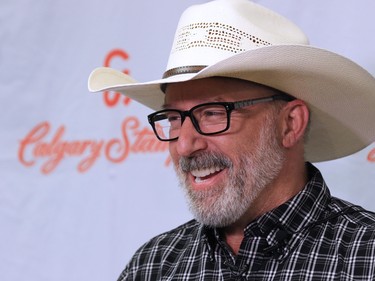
[(204, 161)]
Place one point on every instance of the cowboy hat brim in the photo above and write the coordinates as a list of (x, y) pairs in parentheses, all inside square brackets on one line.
[(339, 93)]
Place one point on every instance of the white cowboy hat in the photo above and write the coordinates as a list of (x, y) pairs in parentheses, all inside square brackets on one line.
[(240, 39)]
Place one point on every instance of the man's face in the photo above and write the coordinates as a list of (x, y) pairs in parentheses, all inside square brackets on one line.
[(224, 175)]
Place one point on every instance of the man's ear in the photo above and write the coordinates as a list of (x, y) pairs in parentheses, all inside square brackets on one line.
[(295, 119)]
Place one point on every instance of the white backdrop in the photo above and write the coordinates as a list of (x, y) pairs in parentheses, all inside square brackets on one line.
[(83, 183)]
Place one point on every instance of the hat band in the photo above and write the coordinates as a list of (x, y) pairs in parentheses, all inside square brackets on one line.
[(183, 70)]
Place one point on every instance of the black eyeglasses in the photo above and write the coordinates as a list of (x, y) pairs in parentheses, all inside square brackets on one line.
[(208, 118)]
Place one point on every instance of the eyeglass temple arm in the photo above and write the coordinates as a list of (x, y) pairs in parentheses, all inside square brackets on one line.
[(245, 103)]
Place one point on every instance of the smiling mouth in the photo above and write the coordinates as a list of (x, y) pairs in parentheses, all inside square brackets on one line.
[(204, 174)]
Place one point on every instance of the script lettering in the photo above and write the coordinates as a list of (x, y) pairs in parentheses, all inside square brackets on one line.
[(134, 139), (34, 136), (371, 155)]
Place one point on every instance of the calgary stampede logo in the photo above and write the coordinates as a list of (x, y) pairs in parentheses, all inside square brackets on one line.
[(50, 147), (35, 146)]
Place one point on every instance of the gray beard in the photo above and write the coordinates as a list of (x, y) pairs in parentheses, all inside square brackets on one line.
[(225, 203)]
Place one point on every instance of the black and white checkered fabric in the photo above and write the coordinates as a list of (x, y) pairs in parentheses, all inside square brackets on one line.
[(311, 237)]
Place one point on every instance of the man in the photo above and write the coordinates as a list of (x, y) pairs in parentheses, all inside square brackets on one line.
[(246, 105)]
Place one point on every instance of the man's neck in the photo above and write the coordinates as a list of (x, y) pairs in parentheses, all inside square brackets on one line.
[(234, 239)]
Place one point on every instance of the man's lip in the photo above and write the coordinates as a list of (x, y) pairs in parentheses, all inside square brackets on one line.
[(206, 172), (205, 182)]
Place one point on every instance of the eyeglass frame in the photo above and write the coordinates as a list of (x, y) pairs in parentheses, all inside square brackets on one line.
[(229, 107)]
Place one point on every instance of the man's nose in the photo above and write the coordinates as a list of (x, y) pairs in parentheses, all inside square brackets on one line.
[(189, 140)]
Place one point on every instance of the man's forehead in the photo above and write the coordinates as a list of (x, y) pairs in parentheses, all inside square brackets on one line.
[(215, 89)]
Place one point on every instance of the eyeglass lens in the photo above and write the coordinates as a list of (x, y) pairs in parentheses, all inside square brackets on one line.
[(207, 119)]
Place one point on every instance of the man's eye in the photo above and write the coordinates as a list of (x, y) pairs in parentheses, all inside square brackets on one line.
[(174, 118), (214, 113)]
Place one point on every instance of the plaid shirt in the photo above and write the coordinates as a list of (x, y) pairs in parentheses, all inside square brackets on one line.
[(311, 237)]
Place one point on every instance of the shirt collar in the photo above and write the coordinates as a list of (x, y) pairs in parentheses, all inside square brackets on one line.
[(299, 212)]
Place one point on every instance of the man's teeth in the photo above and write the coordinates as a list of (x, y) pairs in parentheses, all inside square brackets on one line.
[(199, 174)]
